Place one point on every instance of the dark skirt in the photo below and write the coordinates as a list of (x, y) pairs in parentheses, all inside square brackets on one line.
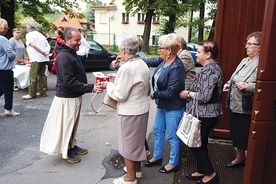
[(239, 129)]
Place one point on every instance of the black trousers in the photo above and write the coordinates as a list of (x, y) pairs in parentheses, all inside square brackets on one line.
[(6, 87), (204, 165)]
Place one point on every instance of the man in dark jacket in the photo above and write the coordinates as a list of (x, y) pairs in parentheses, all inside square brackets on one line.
[(59, 132)]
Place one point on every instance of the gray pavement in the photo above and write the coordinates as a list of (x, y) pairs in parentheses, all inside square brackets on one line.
[(20, 159)]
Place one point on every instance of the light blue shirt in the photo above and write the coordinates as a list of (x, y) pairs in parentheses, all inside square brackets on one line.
[(7, 55)]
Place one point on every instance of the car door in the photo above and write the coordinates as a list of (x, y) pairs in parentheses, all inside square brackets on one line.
[(97, 57)]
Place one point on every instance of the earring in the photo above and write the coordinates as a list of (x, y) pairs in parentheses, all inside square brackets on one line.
[(169, 56)]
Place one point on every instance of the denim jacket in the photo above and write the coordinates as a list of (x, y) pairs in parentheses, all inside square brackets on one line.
[(170, 83)]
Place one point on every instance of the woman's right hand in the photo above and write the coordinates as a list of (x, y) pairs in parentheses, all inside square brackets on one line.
[(226, 87), (116, 62)]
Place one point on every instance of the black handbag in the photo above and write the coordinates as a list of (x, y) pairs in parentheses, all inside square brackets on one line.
[(247, 100)]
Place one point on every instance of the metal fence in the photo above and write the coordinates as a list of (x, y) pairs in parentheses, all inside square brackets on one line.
[(106, 39)]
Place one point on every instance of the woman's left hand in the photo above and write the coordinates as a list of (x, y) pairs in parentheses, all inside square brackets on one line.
[(183, 94), (111, 76), (241, 85), (152, 94)]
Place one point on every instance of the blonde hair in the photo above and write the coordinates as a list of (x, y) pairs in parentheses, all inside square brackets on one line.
[(171, 41), (3, 24)]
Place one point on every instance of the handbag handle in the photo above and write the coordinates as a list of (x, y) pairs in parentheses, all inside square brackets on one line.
[(91, 103), (194, 106)]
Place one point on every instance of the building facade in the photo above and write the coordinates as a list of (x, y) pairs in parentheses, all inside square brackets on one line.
[(111, 20)]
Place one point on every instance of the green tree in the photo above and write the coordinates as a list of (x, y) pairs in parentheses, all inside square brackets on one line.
[(198, 24), (150, 8), (36, 9), (147, 7), (89, 13), (176, 13)]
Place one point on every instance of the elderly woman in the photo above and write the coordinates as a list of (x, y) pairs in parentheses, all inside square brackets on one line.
[(130, 89), (185, 57), (168, 80), (188, 62), (7, 57), (206, 89), (243, 79)]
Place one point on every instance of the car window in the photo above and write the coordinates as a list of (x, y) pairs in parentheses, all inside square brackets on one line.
[(192, 46), (95, 47)]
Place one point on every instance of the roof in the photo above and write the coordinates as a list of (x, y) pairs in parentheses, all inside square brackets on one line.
[(66, 21)]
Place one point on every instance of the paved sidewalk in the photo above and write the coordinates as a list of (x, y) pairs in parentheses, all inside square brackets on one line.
[(22, 163)]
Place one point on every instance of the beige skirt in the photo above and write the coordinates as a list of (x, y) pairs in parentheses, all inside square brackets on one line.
[(131, 136), (61, 125)]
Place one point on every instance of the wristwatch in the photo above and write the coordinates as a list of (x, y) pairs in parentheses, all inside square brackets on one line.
[(188, 94)]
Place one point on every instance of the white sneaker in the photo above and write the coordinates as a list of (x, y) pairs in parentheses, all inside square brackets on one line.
[(39, 94), (9, 113), (122, 181), (138, 174), (27, 97)]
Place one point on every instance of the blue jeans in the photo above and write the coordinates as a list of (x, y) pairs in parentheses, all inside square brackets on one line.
[(167, 121)]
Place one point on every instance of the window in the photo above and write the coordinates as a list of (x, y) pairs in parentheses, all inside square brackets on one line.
[(155, 40), (125, 18), (140, 18), (103, 18), (64, 19), (155, 19)]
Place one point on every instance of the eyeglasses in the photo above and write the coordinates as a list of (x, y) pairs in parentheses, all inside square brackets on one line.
[(160, 48), (250, 44)]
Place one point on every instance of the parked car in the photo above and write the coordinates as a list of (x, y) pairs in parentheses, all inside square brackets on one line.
[(192, 47), (98, 56)]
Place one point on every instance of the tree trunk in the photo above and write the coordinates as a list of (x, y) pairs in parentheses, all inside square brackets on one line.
[(212, 31), (147, 29), (171, 22), (190, 27), (7, 13), (201, 26)]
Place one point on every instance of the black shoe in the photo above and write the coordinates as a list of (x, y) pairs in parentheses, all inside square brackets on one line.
[(157, 162), (164, 170), (194, 178), (215, 179), (231, 165)]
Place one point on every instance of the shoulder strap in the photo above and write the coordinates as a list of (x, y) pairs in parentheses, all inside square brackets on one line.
[(250, 74)]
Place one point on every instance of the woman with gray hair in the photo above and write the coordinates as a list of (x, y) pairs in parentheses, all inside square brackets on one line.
[(7, 56), (168, 81), (130, 89), (243, 80)]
